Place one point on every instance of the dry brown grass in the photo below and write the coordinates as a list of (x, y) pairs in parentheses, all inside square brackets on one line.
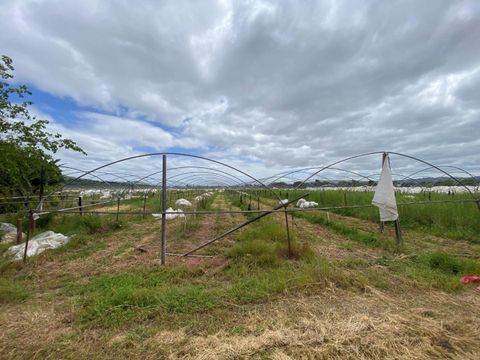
[(340, 325)]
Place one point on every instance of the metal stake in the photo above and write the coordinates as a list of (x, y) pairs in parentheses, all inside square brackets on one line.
[(288, 234)]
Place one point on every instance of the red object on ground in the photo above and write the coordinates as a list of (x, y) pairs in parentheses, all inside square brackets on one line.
[(467, 279)]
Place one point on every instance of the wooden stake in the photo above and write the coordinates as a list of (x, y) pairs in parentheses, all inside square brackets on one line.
[(80, 209), (288, 234), (19, 231)]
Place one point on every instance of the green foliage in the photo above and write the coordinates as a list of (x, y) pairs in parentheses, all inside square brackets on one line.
[(23, 173), (87, 224), (26, 163)]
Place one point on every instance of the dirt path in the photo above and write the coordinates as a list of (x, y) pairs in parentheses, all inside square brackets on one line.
[(201, 228)]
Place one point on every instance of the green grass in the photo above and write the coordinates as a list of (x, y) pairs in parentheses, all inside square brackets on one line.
[(436, 270), (113, 301), (452, 220), (88, 224), (110, 301), (258, 271), (353, 234), (11, 292)]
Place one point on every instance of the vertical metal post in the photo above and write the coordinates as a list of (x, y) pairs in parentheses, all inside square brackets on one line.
[(288, 234), (19, 230), (164, 207), (118, 206), (382, 226)]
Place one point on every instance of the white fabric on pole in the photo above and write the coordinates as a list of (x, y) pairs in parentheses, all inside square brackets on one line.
[(384, 197)]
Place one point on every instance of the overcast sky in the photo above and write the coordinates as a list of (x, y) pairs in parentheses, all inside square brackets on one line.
[(267, 85)]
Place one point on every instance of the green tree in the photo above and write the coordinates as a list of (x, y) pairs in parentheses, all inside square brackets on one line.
[(26, 147)]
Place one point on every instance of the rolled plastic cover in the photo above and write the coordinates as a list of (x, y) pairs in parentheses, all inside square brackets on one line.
[(384, 197)]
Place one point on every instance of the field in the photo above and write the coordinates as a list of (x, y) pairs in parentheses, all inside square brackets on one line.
[(346, 291)]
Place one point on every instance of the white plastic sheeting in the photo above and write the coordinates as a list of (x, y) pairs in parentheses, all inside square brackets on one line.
[(178, 214), (203, 196), (183, 202), (38, 244), (304, 204), (8, 228), (405, 189), (10, 233), (384, 197)]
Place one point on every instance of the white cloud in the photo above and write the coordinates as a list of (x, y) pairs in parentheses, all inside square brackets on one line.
[(276, 84)]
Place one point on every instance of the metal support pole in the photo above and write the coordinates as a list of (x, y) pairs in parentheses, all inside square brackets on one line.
[(164, 207), (288, 234)]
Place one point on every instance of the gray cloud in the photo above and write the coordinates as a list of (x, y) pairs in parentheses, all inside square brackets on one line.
[(276, 84)]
